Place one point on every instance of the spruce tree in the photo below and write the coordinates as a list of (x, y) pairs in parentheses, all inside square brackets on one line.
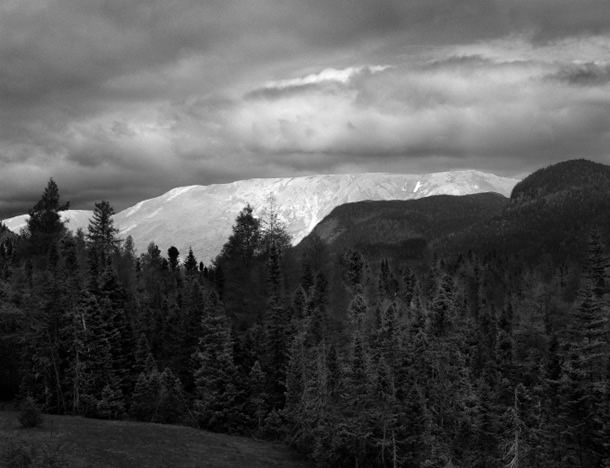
[(582, 387), (94, 370), (171, 400), (443, 308), (245, 241), (117, 328), (355, 271), (276, 352), (44, 226), (145, 398), (215, 377), (190, 264), (101, 232), (273, 229), (295, 380), (257, 398), (173, 258)]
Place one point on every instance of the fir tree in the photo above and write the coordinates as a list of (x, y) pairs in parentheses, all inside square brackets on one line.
[(276, 352), (173, 258), (295, 379), (145, 397), (257, 406), (215, 377), (190, 264), (355, 271), (273, 229), (245, 241), (44, 225), (171, 402), (101, 233), (442, 310)]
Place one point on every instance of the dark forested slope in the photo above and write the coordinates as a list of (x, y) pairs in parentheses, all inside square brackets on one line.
[(549, 214), (403, 229)]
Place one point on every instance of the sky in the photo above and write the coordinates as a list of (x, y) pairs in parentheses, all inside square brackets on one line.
[(123, 100)]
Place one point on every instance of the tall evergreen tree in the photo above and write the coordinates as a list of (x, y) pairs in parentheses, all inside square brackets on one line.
[(245, 241), (273, 229), (257, 398), (101, 232), (276, 352), (190, 264), (215, 377), (443, 308), (44, 225), (173, 258)]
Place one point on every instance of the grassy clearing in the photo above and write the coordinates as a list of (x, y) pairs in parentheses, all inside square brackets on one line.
[(91, 443)]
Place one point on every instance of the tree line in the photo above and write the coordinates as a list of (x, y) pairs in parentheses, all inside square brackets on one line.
[(467, 361)]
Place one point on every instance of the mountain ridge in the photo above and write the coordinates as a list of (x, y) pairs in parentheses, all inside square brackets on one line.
[(201, 216)]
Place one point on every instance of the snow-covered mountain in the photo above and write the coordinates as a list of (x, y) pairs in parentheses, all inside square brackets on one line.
[(202, 216), (74, 219)]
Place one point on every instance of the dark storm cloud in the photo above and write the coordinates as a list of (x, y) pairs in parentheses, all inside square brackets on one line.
[(121, 100), (585, 74)]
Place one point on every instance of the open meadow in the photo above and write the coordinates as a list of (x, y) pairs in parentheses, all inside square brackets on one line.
[(77, 442)]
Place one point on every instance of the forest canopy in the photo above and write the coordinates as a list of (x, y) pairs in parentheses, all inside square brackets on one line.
[(469, 359)]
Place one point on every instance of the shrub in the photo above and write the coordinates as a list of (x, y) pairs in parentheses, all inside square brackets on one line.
[(273, 428), (30, 415), (111, 405)]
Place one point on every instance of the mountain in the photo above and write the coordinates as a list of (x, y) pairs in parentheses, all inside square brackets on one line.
[(550, 213), (74, 220), (403, 229), (202, 216), (560, 180)]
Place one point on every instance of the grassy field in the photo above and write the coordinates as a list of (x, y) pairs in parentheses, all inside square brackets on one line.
[(91, 443)]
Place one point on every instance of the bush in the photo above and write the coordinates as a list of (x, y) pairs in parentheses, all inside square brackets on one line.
[(30, 415), (274, 427), (111, 405)]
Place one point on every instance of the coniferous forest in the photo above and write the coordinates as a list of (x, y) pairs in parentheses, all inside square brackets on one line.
[(462, 359)]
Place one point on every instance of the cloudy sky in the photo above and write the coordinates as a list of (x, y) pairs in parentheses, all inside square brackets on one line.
[(123, 100)]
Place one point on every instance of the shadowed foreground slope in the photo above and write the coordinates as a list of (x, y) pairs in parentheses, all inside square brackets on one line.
[(93, 443)]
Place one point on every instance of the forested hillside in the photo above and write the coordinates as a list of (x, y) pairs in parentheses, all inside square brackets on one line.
[(549, 215), (402, 229), (476, 358)]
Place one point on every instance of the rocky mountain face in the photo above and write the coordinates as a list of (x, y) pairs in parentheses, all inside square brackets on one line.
[(201, 217)]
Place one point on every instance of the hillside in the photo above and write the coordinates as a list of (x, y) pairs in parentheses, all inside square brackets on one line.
[(403, 229), (550, 213), (201, 217), (94, 443), (559, 180)]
